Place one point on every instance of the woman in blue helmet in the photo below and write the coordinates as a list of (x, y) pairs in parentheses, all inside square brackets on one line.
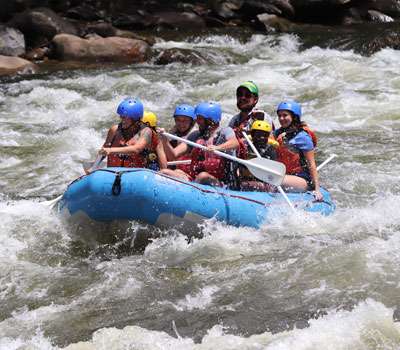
[(296, 150), (185, 120), (129, 143), (206, 167)]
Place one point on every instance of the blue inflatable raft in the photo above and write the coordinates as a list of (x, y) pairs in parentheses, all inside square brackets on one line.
[(140, 194)]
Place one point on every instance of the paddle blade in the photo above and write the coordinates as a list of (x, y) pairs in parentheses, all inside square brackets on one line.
[(52, 203), (267, 170), (90, 167)]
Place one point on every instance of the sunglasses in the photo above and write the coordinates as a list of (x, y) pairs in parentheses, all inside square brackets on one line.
[(244, 93)]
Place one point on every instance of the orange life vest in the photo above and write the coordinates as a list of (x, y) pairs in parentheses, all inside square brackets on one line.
[(132, 160), (207, 161), (294, 161)]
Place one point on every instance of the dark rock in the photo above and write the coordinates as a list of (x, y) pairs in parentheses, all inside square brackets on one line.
[(37, 54), (41, 24), (114, 49), (276, 23), (16, 65), (133, 21), (60, 5), (179, 20), (376, 16), (319, 3), (12, 42), (320, 11), (352, 16), (103, 29), (84, 12), (179, 55), (149, 39), (227, 9), (125, 6), (212, 21), (286, 7), (389, 7), (277, 7), (365, 39)]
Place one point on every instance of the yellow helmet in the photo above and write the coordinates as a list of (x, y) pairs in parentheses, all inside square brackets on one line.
[(261, 125), (150, 118)]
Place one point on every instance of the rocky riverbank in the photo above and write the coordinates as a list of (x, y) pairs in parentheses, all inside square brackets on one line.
[(122, 31)]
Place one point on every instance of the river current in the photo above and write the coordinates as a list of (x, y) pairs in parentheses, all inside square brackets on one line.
[(302, 282)]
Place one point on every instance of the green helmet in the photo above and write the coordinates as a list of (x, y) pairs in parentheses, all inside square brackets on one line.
[(249, 85)]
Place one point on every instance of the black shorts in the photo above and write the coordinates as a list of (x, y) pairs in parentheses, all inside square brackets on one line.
[(306, 176)]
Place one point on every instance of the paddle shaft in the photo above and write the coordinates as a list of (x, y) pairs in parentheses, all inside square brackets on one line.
[(95, 165), (326, 161), (221, 154), (179, 162)]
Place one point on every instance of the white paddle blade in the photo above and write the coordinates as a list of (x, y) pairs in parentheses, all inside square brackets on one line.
[(52, 203), (89, 167), (267, 170)]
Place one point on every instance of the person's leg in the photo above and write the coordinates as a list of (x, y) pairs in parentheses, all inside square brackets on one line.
[(176, 173), (207, 179), (292, 183)]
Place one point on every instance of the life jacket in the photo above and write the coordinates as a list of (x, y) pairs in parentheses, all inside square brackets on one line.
[(207, 161), (242, 151), (174, 143), (132, 160), (239, 128), (150, 154), (268, 152), (294, 161)]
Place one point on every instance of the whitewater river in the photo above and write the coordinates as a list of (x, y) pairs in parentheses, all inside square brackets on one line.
[(303, 282)]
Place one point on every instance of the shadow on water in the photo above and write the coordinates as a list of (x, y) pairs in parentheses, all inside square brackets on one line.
[(117, 239), (365, 39)]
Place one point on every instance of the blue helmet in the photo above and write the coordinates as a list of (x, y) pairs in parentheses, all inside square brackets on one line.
[(291, 106), (131, 107), (209, 110), (185, 110)]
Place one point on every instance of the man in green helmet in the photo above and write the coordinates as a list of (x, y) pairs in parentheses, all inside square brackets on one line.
[(246, 100)]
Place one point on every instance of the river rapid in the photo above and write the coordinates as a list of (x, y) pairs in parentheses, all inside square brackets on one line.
[(303, 282)]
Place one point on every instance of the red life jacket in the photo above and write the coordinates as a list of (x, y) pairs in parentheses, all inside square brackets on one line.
[(294, 161), (206, 161), (184, 167), (132, 160), (242, 151)]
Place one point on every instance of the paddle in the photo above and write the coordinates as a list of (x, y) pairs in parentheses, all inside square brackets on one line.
[(179, 162), (88, 167), (280, 189), (326, 161), (52, 203), (264, 169)]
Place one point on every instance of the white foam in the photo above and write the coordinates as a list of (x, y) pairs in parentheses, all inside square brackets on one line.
[(201, 300)]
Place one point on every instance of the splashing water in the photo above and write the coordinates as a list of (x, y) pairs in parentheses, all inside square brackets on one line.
[(303, 281)]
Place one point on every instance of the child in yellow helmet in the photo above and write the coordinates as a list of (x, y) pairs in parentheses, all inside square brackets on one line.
[(149, 119), (266, 146), (260, 134)]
